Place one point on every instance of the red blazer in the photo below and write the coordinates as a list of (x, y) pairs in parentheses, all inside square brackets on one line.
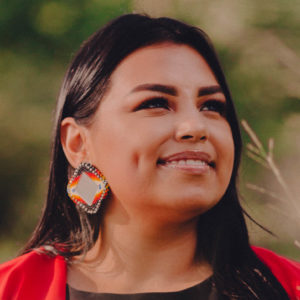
[(36, 276)]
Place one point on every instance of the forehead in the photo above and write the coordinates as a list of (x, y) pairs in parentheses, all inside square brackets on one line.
[(168, 63)]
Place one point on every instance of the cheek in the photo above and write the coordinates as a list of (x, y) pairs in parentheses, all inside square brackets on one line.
[(123, 148)]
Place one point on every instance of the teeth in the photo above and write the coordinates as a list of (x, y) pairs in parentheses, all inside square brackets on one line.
[(195, 162), (189, 162)]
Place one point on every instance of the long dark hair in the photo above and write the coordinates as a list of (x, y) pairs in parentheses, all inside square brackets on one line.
[(222, 233)]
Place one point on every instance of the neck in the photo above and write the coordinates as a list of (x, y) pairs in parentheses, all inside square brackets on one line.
[(147, 252)]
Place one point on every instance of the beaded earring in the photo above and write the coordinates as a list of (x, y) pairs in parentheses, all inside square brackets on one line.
[(87, 188)]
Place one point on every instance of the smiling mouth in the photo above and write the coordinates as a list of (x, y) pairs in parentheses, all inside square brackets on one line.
[(185, 163), (188, 160)]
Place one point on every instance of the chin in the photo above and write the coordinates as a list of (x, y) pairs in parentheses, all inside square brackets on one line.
[(193, 206)]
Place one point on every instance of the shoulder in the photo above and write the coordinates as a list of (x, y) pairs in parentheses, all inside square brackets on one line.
[(287, 271), (32, 275)]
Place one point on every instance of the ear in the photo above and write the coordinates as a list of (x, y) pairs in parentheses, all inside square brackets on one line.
[(73, 141)]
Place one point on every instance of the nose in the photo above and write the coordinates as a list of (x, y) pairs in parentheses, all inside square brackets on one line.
[(192, 128)]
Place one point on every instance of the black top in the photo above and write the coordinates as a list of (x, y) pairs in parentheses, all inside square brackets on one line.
[(203, 290)]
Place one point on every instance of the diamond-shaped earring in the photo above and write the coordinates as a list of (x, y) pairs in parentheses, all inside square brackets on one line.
[(87, 188)]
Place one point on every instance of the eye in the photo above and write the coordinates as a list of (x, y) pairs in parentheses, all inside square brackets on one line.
[(154, 103), (214, 106)]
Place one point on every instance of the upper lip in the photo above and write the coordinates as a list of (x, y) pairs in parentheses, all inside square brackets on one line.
[(185, 155)]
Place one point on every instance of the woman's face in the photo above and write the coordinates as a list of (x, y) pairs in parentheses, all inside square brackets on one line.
[(160, 135)]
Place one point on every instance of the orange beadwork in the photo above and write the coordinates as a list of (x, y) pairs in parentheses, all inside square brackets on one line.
[(87, 188)]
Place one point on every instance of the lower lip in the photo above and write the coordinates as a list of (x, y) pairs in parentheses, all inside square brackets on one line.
[(191, 169)]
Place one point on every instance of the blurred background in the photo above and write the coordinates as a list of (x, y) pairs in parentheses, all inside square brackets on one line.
[(259, 45)]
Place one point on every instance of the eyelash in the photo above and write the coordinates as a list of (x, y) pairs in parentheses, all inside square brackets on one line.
[(152, 103), (160, 102), (216, 106)]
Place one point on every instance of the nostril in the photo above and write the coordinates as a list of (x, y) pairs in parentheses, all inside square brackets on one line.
[(185, 137)]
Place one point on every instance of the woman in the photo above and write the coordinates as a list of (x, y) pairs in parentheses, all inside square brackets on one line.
[(146, 125)]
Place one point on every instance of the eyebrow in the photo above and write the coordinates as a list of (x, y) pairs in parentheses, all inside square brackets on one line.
[(166, 89), (209, 90), (170, 90)]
